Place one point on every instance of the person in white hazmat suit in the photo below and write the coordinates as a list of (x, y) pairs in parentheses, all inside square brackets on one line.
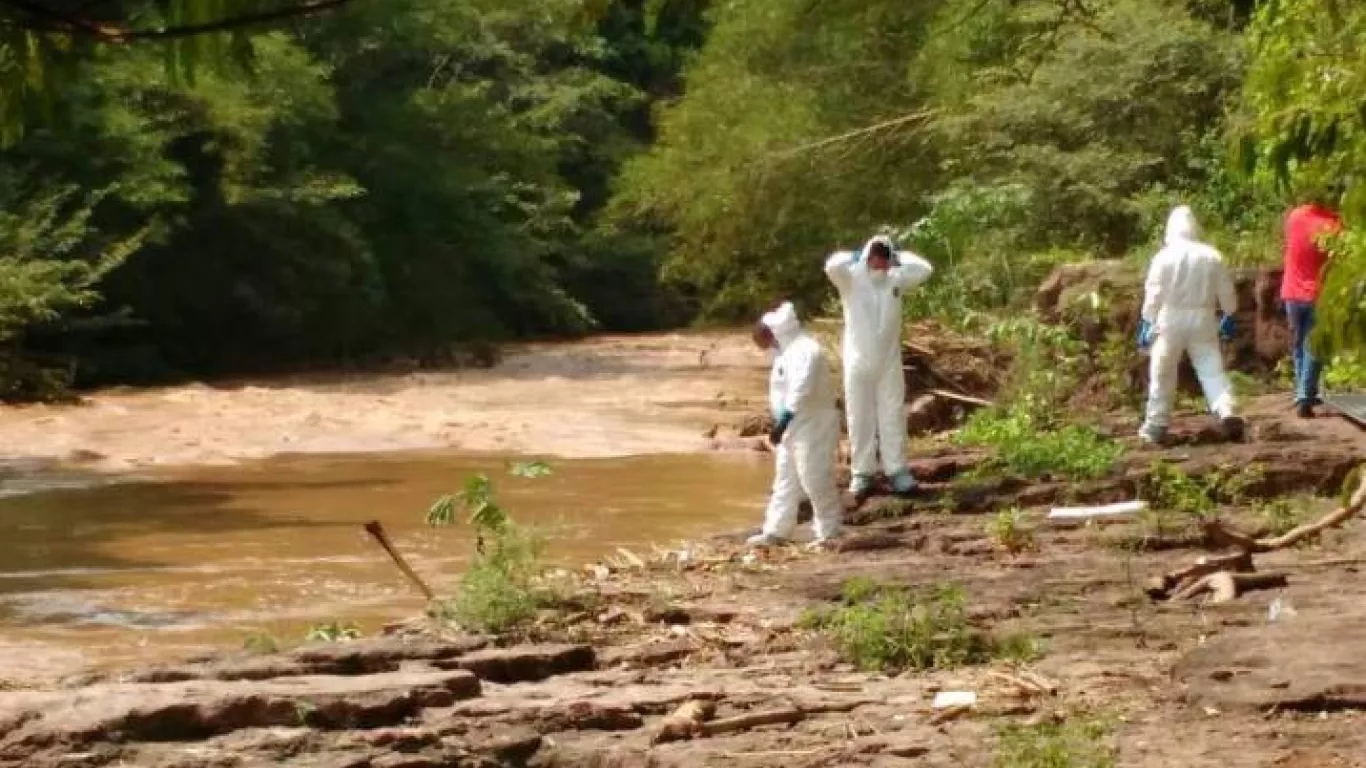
[(870, 284), (806, 430), (1187, 284)]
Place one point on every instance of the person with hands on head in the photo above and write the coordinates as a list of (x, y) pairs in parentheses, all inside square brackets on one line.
[(1187, 284), (871, 283), (805, 432)]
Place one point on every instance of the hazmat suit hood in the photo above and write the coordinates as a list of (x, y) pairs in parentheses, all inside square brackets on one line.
[(878, 276), (784, 324), (1181, 226), (868, 247)]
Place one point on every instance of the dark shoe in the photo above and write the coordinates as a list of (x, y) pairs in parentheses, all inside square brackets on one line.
[(1234, 428), (1305, 410)]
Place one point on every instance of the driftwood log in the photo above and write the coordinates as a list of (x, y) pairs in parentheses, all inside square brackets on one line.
[(1225, 577)]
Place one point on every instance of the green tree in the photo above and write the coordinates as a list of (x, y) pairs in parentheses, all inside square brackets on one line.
[(1302, 131)]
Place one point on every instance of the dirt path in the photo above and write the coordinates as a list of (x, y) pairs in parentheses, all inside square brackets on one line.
[(1168, 684), (607, 396)]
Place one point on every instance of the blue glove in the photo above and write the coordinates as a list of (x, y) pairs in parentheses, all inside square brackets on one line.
[(1145, 334), (780, 426), (1226, 328)]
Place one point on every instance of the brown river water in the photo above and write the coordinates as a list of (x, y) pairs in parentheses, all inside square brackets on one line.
[(153, 524), (207, 558)]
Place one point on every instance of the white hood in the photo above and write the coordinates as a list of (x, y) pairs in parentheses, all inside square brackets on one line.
[(1181, 226), (784, 323)]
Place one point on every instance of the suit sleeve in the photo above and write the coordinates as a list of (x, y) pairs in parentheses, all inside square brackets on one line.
[(912, 271), (839, 268)]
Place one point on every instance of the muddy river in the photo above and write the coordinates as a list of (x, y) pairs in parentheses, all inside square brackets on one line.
[(214, 556), (154, 523)]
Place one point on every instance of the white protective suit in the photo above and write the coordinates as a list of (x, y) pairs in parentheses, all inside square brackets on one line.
[(1187, 282), (801, 383), (874, 387)]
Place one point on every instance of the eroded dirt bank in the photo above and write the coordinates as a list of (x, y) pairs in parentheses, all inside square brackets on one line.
[(1182, 683), (607, 396)]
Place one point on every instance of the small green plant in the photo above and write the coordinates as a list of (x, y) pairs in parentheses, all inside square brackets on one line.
[(1026, 447), (1281, 515), (498, 591), (332, 632), (1247, 385), (1113, 362), (880, 627), (261, 643), (1018, 647), (1010, 530), (1177, 500), (479, 502), (1169, 489), (1073, 743)]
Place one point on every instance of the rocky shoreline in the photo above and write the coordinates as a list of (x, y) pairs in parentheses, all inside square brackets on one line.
[(610, 678)]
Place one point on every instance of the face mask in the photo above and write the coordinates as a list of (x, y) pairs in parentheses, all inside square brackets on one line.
[(878, 276)]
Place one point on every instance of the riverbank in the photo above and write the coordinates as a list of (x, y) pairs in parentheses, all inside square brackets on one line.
[(596, 398), (594, 681)]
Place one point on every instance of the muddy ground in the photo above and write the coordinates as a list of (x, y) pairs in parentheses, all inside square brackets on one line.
[(1183, 684)]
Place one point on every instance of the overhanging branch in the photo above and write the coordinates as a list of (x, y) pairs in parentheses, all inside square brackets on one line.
[(39, 17)]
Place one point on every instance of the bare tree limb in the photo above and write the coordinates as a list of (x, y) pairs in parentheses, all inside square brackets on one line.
[(1221, 536), (856, 133)]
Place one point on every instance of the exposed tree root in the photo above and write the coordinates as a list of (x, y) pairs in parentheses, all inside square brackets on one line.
[(1226, 577)]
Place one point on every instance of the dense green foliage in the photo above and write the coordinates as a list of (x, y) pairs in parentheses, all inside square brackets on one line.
[(419, 178), (413, 178), (981, 131)]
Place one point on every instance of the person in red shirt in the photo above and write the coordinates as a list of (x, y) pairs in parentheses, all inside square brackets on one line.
[(1305, 260)]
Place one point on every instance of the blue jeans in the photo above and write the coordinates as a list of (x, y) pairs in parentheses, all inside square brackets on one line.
[(1307, 369)]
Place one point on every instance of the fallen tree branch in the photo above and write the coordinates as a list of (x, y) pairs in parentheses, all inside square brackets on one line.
[(1225, 586), (753, 720), (1228, 576), (1162, 586), (1353, 506), (376, 530), (960, 398), (685, 722)]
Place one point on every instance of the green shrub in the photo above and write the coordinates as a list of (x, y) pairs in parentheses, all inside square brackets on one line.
[(1025, 447), (498, 592), (879, 627)]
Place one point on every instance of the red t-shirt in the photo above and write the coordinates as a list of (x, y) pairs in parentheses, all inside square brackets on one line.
[(1303, 257)]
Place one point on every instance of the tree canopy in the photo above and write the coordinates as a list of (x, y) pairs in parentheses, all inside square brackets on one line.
[(196, 187)]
